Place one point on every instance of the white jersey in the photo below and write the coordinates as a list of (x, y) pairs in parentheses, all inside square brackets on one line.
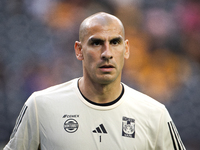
[(60, 118)]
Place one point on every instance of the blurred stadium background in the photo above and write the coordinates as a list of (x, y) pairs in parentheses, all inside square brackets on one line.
[(36, 51)]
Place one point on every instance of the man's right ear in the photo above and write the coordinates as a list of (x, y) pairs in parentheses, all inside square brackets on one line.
[(78, 50)]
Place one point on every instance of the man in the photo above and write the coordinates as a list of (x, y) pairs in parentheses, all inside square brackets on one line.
[(96, 111)]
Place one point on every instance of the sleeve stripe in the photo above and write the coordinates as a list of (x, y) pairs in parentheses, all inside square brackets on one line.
[(177, 141), (19, 119), (178, 145), (170, 129), (21, 114), (178, 137)]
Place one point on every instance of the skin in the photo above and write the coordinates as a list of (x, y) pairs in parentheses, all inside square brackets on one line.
[(102, 49)]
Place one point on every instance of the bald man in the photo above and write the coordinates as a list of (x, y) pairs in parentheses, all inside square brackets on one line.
[(96, 111)]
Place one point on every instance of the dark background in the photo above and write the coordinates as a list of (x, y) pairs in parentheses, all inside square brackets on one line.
[(36, 51)]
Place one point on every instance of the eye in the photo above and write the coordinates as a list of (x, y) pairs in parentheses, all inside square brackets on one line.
[(96, 42), (115, 41)]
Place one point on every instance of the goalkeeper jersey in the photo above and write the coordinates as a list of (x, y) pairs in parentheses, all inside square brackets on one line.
[(61, 118)]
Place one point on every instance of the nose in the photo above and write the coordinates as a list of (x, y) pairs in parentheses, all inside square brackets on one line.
[(107, 53)]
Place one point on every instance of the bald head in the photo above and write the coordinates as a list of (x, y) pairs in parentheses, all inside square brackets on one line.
[(102, 19)]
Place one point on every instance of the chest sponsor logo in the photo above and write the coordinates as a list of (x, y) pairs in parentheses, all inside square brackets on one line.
[(128, 127), (70, 116), (71, 125)]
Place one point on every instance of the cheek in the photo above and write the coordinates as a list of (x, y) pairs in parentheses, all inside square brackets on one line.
[(119, 55), (90, 58), (120, 60)]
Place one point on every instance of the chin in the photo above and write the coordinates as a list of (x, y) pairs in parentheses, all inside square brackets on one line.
[(106, 79)]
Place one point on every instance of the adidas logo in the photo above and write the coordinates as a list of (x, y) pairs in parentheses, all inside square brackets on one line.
[(100, 129)]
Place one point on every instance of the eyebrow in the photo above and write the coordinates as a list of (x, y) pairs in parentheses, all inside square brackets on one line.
[(93, 39), (117, 39)]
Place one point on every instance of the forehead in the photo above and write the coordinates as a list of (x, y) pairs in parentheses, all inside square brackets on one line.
[(107, 30), (101, 26), (103, 32)]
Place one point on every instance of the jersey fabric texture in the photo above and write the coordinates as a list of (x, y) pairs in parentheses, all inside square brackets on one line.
[(59, 118)]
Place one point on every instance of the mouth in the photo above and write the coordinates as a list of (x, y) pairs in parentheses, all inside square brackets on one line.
[(106, 66)]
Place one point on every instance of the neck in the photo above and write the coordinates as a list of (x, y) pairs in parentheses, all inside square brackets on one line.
[(100, 93)]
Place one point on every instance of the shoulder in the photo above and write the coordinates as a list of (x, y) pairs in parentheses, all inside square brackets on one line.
[(63, 87), (144, 105), (54, 92), (141, 99)]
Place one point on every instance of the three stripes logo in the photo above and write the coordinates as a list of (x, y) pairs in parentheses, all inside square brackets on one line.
[(177, 143), (100, 129)]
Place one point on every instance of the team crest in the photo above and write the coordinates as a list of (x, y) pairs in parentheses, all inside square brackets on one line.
[(128, 127)]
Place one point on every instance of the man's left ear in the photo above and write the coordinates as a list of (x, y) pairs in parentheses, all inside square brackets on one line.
[(127, 50), (78, 50)]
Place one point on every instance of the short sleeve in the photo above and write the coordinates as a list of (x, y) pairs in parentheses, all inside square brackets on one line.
[(168, 136), (25, 135)]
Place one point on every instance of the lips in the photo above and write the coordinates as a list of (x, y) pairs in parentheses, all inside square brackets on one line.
[(107, 66)]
